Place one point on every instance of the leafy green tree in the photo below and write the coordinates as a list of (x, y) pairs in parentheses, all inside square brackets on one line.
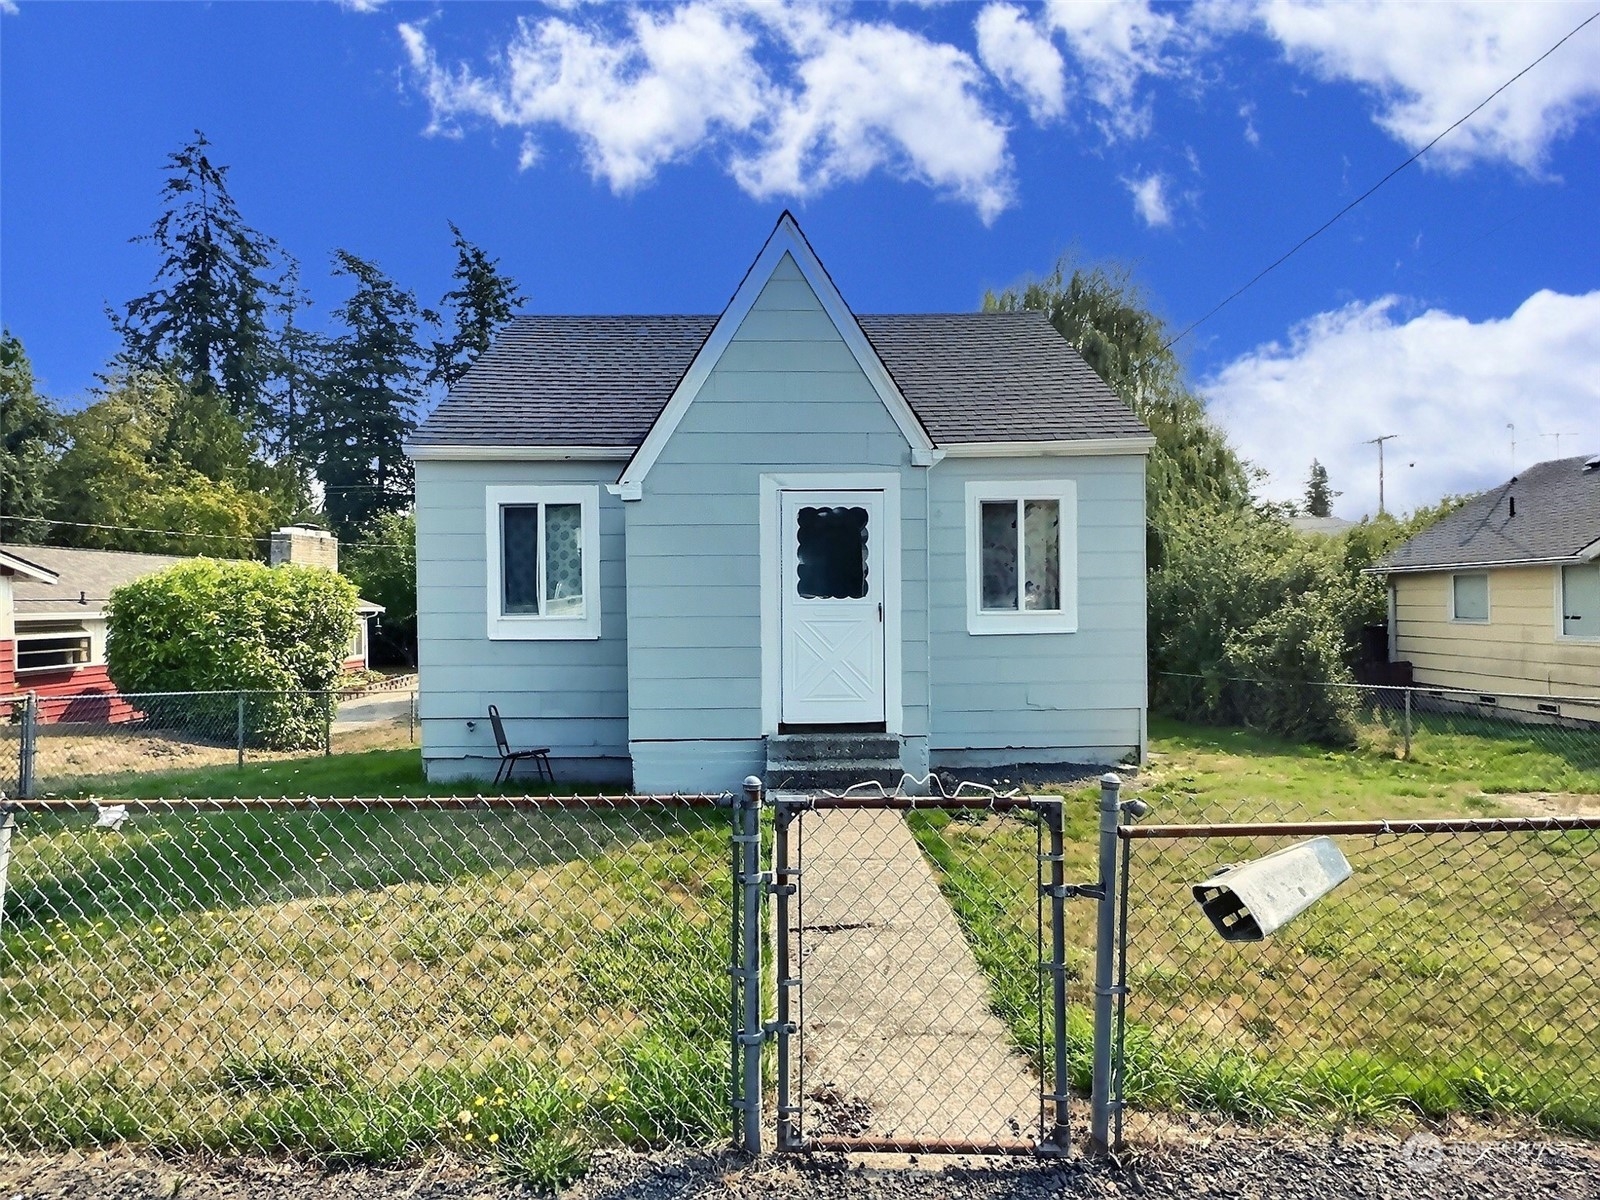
[(1105, 314), (153, 455), (302, 362), (30, 429), (382, 563), (208, 315), (482, 301), (367, 401), (1319, 496)]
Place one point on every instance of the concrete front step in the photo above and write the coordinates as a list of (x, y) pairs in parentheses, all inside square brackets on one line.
[(823, 747), (831, 775)]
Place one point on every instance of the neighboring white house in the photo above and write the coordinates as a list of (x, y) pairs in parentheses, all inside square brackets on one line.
[(684, 549)]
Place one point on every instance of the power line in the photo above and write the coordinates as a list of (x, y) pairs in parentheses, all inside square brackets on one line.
[(1331, 221)]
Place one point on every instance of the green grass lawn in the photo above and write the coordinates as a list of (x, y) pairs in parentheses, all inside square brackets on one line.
[(1451, 974), (396, 772), (518, 986)]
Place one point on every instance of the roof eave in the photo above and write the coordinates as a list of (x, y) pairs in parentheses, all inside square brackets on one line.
[(461, 452), (1565, 560), (1133, 444)]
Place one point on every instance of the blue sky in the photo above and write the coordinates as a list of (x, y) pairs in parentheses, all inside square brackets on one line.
[(623, 159)]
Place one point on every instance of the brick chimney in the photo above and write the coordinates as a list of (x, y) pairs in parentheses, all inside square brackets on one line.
[(304, 547)]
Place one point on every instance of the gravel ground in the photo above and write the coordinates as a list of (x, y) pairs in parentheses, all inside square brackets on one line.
[(1233, 1167)]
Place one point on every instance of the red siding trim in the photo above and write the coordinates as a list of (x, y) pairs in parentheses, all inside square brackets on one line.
[(8, 666)]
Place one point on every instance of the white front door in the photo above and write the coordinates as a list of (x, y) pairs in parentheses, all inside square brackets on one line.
[(832, 612)]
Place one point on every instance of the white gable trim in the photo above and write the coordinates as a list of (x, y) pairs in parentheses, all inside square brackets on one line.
[(10, 564), (785, 239)]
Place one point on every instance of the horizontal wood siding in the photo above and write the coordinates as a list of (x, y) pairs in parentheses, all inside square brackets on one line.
[(571, 696), (1518, 650), (1042, 696), (786, 395)]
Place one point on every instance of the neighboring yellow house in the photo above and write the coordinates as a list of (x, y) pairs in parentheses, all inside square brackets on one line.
[(1502, 597)]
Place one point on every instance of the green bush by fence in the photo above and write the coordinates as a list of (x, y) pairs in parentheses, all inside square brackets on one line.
[(208, 626)]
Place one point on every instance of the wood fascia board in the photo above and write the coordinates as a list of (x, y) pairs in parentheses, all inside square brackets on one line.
[(1063, 448), (12, 565), (468, 453), (787, 239)]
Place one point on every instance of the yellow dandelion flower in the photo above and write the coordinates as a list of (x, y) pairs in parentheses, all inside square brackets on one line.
[(478, 1101), (469, 1135), (493, 1138), (499, 1091)]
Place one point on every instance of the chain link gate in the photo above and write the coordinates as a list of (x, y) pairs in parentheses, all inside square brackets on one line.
[(921, 974)]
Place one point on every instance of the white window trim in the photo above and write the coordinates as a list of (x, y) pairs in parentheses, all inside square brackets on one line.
[(534, 627), (981, 622), (22, 639), (1587, 639), (1488, 600)]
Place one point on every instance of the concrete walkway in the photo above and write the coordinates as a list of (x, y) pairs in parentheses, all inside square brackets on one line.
[(898, 1037)]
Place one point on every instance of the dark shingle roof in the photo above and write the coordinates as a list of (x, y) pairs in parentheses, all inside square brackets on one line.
[(601, 381), (90, 574), (1558, 514)]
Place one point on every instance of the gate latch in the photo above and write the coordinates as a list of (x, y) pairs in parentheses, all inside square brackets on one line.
[(1073, 891)]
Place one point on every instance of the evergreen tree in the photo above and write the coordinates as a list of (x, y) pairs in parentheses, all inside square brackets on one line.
[(1319, 496), (367, 400), (29, 430), (302, 361), (482, 301), (215, 287)]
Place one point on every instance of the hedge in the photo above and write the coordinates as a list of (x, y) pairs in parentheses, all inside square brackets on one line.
[(208, 625)]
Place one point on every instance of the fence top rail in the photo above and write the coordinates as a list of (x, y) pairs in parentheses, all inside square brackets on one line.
[(909, 803), (1427, 689), (1363, 828), (370, 803)]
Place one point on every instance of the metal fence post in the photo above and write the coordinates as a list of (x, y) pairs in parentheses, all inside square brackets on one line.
[(750, 1036), (8, 822), (27, 746), (1105, 956), (785, 885), (1407, 754), (238, 726), (1059, 1137), (411, 728), (330, 701)]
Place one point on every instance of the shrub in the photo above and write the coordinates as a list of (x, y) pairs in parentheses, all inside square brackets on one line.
[(207, 625), (1248, 619)]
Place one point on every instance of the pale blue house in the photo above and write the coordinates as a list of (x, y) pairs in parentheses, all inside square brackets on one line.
[(679, 550)]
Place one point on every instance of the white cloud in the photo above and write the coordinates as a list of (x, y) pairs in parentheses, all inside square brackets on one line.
[(1429, 64), (1115, 45), (362, 6), (1023, 59), (1247, 113), (1150, 199), (1446, 385), (672, 83), (8, 8)]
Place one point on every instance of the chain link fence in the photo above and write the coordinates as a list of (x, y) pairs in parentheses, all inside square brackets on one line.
[(111, 744), (1456, 971), (510, 979)]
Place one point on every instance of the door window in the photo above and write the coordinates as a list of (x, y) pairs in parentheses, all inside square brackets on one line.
[(831, 553)]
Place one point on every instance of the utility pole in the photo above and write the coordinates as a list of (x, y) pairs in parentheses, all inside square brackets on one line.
[(1558, 437), (1378, 442)]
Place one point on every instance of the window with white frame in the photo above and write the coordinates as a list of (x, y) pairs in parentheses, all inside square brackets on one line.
[(53, 647), (1580, 601), (543, 557), (1022, 557), (1469, 597)]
